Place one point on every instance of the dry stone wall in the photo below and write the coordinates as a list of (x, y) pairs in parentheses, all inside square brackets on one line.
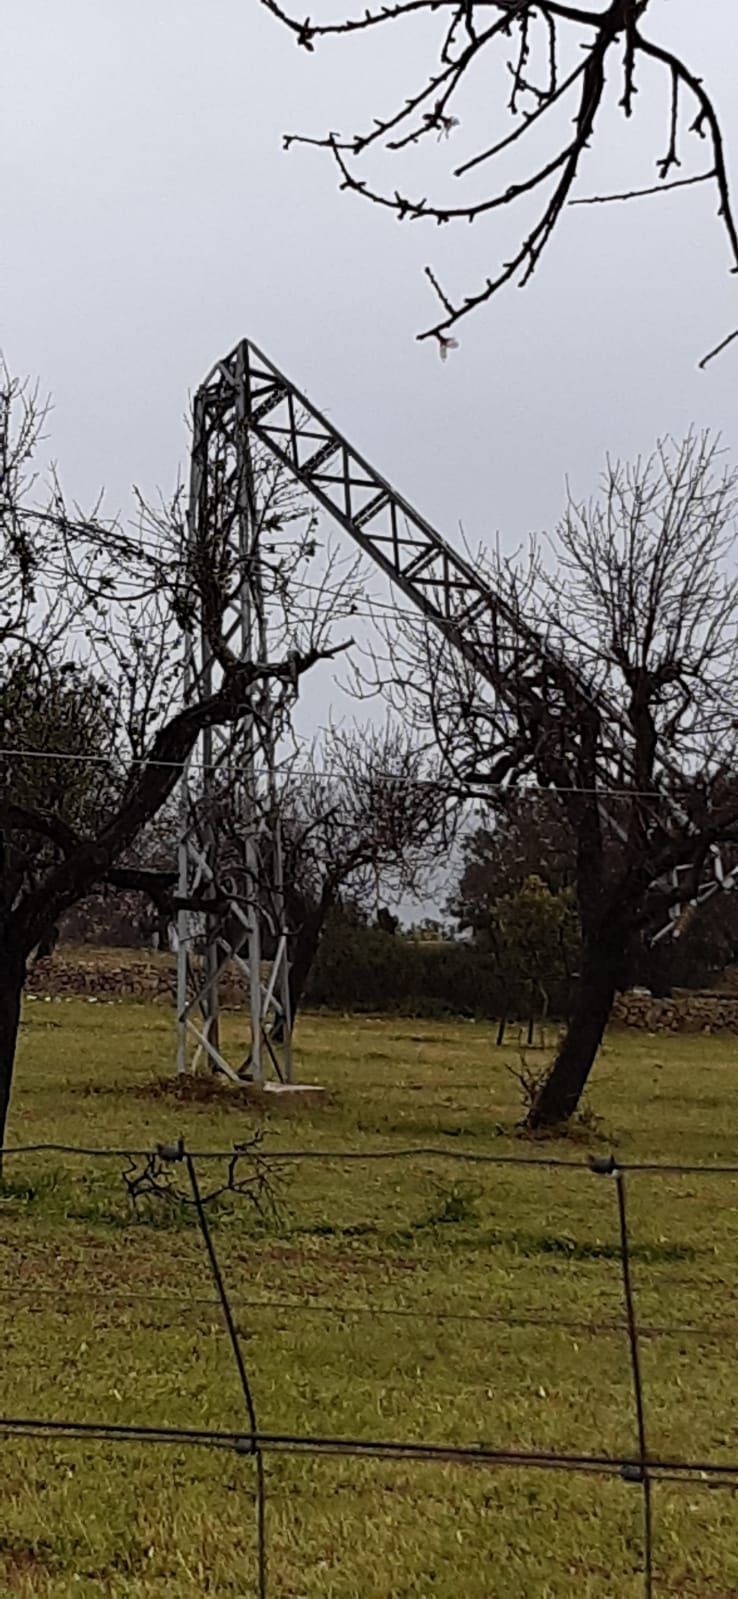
[(684, 1012), (105, 977), (111, 976)]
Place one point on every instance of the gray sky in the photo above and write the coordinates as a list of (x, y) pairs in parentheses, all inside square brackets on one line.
[(150, 219)]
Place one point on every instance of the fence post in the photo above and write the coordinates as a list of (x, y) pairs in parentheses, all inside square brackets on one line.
[(640, 1472), (251, 1444)]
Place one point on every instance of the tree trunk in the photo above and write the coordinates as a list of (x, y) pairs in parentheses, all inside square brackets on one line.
[(601, 976), (306, 946), (12, 978)]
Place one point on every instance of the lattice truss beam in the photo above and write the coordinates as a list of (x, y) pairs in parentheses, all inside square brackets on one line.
[(245, 402)]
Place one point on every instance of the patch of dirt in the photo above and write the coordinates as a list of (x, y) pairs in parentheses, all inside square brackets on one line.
[(197, 1089), (421, 1038), (338, 1264), (20, 1565), (211, 1088), (701, 1592)]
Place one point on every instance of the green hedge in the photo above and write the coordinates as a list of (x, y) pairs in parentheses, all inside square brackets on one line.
[(365, 969)]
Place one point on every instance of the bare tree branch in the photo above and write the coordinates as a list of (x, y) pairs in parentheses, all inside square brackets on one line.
[(554, 51)]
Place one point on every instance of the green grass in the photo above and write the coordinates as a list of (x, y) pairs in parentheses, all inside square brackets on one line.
[(423, 1299)]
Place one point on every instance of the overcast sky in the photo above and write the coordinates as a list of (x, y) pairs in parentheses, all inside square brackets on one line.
[(150, 218)]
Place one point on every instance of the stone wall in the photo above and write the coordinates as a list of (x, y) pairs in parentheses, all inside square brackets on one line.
[(116, 975), (684, 1012), (61, 976), (107, 976)]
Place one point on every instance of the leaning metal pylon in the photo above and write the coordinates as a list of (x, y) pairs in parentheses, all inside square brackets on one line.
[(238, 868), (247, 398)]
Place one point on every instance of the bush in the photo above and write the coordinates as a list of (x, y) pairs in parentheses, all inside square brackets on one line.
[(366, 969)]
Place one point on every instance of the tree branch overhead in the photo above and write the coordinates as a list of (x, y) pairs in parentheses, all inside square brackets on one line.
[(555, 55)]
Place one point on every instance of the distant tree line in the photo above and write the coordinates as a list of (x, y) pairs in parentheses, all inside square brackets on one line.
[(510, 943), (514, 944)]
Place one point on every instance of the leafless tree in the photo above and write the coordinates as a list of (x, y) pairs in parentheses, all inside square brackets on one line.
[(94, 730), (365, 816), (627, 707), (542, 59), (131, 918)]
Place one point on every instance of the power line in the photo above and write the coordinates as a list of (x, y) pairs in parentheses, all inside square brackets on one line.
[(459, 789), (150, 552)]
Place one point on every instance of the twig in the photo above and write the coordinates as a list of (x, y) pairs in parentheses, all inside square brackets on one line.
[(638, 194), (461, 48)]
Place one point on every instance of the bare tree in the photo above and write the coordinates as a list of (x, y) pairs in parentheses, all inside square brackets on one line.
[(371, 824), (627, 708), (542, 59), (91, 620), (131, 918), (365, 816)]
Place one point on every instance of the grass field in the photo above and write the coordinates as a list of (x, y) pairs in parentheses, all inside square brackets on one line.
[(419, 1299)]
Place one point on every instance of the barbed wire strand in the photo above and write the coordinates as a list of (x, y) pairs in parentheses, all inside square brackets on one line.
[(582, 1163), (367, 1448)]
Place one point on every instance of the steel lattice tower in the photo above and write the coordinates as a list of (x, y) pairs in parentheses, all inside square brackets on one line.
[(223, 526)]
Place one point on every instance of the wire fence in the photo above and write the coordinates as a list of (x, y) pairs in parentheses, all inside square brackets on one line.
[(172, 1170)]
